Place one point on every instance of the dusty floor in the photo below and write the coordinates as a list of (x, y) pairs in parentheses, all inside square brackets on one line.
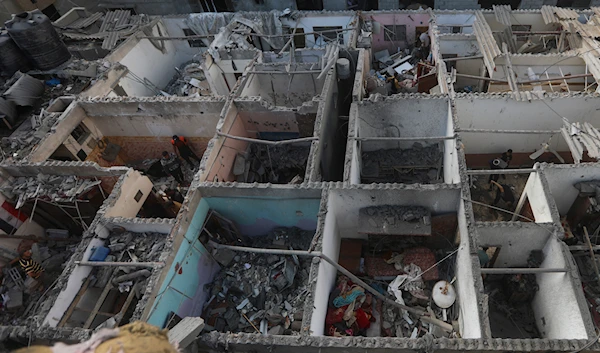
[(480, 192)]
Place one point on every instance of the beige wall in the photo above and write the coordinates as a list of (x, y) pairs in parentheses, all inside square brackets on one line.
[(126, 206)]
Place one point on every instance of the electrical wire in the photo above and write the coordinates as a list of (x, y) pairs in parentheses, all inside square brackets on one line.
[(433, 266)]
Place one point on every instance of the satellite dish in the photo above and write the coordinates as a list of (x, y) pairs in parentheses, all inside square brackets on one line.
[(444, 296)]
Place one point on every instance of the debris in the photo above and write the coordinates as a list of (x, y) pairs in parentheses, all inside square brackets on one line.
[(414, 165), (275, 164), (15, 299), (270, 292), (186, 331), (189, 81)]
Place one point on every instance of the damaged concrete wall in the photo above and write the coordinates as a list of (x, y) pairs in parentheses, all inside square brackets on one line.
[(445, 22), (147, 77), (215, 77), (516, 239), (132, 194), (402, 117), (182, 289), (502, 112), (328, 114), (536, 195), (451, 165), (562, 178), (283, 90), (316, 22), (62, 130), (410, 20), (557, 311)]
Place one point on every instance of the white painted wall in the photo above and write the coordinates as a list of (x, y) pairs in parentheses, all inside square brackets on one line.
[(562, 178), (460, 45), (327, 275), (537, 199), (508, 114), (555, 306), (469, 320), (446, 21), (516, 239), (535, 20), (143, 59), (125, 205)]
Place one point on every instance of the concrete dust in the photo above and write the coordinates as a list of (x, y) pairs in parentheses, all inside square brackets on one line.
[(274, 164)]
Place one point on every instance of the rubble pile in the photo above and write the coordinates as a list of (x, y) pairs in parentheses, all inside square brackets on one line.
[(510, 299), (261, 293), (418, 164), (49, 187), (284, 164), (19, 294), (391, 214), (20, 144), (189, 81), (126, 247)]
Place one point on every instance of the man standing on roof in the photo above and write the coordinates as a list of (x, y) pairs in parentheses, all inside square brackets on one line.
[(181, 147)]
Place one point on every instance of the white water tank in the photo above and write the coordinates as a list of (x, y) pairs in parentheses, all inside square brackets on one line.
[(343, 68)]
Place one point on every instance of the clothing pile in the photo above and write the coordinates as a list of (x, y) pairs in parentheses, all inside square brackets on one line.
[(350, 310)]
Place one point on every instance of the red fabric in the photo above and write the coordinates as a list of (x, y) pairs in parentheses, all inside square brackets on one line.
[(335, 315), (424, 258), (362, 319), (179, 142)]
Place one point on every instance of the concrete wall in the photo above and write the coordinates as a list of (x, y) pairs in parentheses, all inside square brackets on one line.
[(561, 180), (445, 22), (125, 204), (309, 23), (283, 90), (557, 312), (536, 195), (451, 164), (508, 114), (517, 240), (166, 56), (183, 291), (411, 21)]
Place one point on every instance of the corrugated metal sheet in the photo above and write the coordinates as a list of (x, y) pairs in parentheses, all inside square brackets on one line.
[(485, 39), (586, 30), (548, 15), (503, 14), (110, 41), (565, 14), (86, 21)]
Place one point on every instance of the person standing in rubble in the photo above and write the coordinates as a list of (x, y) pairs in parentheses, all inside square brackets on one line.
[(181, 147), (425, 44), (505, 193), (172, 166)]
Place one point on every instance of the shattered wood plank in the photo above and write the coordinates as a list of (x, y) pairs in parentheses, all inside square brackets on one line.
[(99, 302), (74, 303)]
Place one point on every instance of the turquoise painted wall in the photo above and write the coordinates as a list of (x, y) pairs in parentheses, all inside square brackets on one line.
[(183, 288)]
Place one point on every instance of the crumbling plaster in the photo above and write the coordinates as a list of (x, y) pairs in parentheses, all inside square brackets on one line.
[(126, 204)]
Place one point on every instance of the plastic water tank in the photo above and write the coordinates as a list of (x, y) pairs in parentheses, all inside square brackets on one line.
[(33, 32), (343, 68), (12, 58)]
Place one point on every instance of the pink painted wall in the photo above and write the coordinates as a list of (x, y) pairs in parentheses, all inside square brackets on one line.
[(222, 169), (411, 21)]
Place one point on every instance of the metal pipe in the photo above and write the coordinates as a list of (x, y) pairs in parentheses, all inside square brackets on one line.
[(480, 78), (518, 271), (501, 171), (285, 72), (433, 138), (464, 58), (509, 131), (116, 264), (200, 36), (556, 79), (264, 142)]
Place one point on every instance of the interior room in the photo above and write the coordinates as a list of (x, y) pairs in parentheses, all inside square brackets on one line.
[(131, 133), (554, 72), (528, 33), (461, 53), (283, 88), (400, 141), (455, 22), (385, 236), (200, 270), (531, 129), (258, 143), (528, 278)]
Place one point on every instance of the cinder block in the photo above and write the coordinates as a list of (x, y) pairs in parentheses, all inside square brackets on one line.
[(186, 331)]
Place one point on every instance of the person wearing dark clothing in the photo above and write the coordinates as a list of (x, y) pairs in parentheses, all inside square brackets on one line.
[(505, 193), (180, 145), (172, 166), (507, 157), (174, 195)]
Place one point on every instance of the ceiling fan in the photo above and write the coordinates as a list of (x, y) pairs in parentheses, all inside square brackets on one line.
[(546, 148)]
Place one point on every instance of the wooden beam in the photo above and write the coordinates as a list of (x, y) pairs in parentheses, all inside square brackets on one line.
[(127, 303), (99, 303), (500, 171), (463, 58), (74, 303)]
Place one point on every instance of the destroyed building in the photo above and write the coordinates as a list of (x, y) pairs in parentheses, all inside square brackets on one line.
[(356, 189)]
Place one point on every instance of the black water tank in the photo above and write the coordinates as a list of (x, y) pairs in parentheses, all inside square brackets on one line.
[(12, 58), (33, 32)]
